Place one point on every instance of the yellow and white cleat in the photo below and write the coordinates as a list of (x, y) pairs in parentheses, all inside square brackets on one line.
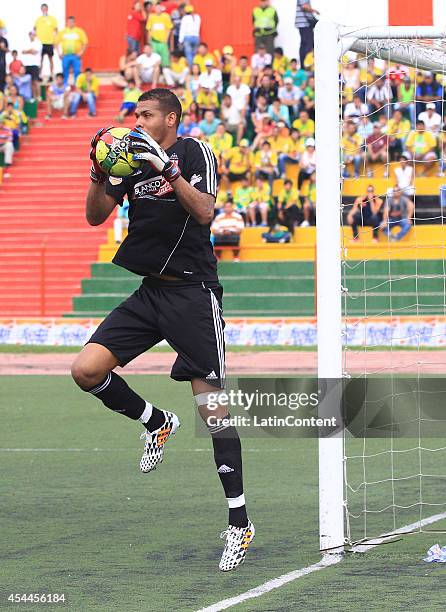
[(155, 441), (238, 540)]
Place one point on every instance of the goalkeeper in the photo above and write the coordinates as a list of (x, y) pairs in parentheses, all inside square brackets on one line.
[(172, 201)]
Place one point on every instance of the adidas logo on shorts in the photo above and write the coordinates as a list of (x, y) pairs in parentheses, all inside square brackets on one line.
[(211, 375), (224, 469)]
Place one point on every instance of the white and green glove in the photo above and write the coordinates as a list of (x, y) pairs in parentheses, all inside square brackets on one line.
[(145, 148)]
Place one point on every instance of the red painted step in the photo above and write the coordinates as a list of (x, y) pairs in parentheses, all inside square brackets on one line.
[(45, 202)]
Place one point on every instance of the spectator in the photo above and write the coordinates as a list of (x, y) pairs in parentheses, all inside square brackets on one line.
[(398, 211), (3, 51), (429, 90), (279, 137), (280, 62), (351, 77), (308, 99), (32, 60), (58, 97), (238, 162), (6, 142), (365, 127), (377, 149), (203, 56), (87, 90), (128, 69), (207, 99), (406, 97), (190, 33), (121, 221), (220, 141), (292, 152), (405, 177), (309, 201), (298, 75), (239, 94), (290, 96), (367, 211), (261, 202), (208, 125), (159, 26), (226, 229), (265, 163), (304, 124), (276, 234), (186, 125), (430, 118), (289, 210), (307, 162), (46, 31), (131, 96), (265, 21), (194, 112), (355, 109), (211, 77), (352, 149), (178, 70), (72, 42), (193, 80), (13, 119), (279, 112), (23, 84), (149, 64), (184, 96), (379, 95), (268, 89), (260, 59), (421, 145), (305, 22), (233, 118), (243, 70), (176, 15), (243, 197), (398, 129), (259, 114), (15, 64), (227, 64), (135, 23)]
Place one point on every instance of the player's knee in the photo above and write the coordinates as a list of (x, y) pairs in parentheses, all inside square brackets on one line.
[(85, 374)]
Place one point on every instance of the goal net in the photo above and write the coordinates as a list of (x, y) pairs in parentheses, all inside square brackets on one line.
[(381, 281)]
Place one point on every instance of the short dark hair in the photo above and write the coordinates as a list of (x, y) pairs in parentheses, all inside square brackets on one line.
[(288, 182), (131, 81), (88, 70), (167, 101), (59, 74)]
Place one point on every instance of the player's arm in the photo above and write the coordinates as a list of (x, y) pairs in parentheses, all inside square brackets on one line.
[(198, 201), (99, 204), (199, 205)]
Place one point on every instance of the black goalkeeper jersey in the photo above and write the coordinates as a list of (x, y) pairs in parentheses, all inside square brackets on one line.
[(162, 236)]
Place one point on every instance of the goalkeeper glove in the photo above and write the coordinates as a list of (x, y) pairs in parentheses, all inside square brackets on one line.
[(97, 175), (147, 149)]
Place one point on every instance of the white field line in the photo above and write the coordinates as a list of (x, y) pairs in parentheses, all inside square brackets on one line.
[(107, 450), (326, 561), (275, 583)]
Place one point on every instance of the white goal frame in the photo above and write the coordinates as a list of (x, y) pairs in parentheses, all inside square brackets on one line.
[(403, 45)]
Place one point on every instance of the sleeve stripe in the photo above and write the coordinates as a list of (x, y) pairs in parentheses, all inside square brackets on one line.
[(211, 177)]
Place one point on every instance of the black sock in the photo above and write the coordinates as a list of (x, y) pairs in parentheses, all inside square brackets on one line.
[(115, 393), (228, 459)]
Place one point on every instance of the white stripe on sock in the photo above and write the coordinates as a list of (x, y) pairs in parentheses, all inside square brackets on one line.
[(147, 413), (101, 387), (236, 502)]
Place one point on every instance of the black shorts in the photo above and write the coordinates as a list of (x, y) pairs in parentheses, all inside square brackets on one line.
[(34, 72), (48, 50), (187, 315)]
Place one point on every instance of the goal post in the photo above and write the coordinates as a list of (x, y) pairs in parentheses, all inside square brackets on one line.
[(419, 47)]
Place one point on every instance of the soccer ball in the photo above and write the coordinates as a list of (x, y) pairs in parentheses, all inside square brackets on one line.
[(112, 154)]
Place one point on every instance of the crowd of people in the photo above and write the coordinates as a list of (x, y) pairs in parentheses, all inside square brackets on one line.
[(22, 74), (257, 112)]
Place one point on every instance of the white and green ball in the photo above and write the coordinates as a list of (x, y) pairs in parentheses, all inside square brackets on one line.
[(112, 154)]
